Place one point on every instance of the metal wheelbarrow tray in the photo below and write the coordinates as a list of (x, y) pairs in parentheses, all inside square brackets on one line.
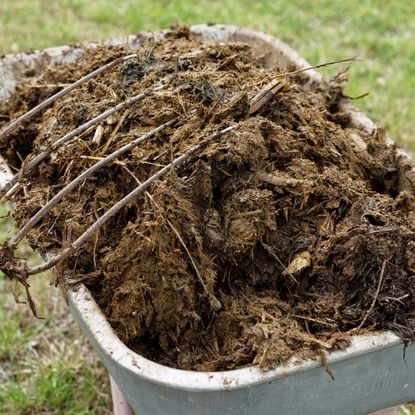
[(375, 372)]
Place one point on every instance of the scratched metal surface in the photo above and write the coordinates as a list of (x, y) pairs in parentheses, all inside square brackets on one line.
[(375, 372)]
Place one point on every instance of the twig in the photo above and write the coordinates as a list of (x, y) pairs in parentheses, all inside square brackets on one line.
[(22, 279), (120, 204), (321, 65), (88, 172), (314, 320), (265, 94), (321, 343), (397, 299), (277, 85), (382, 273), (58, 143), (13, 125), (325, 364)]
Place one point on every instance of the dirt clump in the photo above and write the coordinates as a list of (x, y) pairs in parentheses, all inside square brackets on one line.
[(286, 235)]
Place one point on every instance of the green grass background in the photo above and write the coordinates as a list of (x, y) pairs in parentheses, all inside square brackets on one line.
[(46, 367)]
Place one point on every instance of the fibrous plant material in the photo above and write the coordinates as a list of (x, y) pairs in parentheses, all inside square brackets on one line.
[(44, 104), (30, 164), (271, 226)]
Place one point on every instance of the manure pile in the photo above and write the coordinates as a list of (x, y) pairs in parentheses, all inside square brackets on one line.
[(286, 233)]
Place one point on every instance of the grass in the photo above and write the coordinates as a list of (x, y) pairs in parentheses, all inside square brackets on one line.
[(46, 366)]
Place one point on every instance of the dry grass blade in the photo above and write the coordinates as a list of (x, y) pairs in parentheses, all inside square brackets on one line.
[(14, 124), (382, 273), (68, 188), (119, 205)]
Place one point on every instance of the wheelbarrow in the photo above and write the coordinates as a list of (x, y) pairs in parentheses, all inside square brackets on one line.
[(376, 371)]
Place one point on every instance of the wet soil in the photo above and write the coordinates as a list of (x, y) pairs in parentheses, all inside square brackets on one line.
[(299, 225)]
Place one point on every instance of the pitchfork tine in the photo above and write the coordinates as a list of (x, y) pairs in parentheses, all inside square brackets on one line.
[(57, 144), (120, 204), (69, 187), (14, 124)]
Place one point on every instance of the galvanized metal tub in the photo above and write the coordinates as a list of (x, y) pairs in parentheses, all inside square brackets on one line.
[(375, 372)]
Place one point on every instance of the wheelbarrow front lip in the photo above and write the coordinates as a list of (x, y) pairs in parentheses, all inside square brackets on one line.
[(97, 328)]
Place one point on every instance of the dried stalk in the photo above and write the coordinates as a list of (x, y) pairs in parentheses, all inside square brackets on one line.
[(314, 320), (277, 85), (119, 205), (88, 172), (27, 166), (265, 94), (14, 124), (326, 365), (321, 65), (372, 306)]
